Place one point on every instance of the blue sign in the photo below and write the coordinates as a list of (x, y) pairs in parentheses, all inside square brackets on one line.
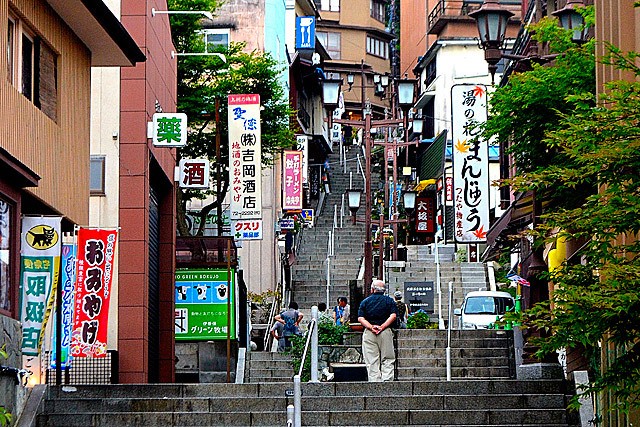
[(305, 32), (287, 224)]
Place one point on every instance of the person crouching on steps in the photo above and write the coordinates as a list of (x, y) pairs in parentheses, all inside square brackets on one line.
[(377, 313)]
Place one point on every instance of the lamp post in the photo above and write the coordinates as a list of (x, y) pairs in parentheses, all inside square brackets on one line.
[(331, 88), (492, 20), (353, 199)]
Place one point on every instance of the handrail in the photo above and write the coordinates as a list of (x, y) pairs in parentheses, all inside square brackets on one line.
[(310, 328), (272, 313)]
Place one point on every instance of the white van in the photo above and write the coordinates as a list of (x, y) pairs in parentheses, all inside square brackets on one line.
[(480, 308)]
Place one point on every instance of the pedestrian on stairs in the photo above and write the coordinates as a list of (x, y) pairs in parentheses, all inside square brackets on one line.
[(377, 313), (403, 310), (290, 320), (341, 312)]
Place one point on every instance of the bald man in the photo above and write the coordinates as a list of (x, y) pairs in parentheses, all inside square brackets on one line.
[(377, 313)]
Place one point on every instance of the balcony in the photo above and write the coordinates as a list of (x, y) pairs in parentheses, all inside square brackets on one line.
[(457, 11)]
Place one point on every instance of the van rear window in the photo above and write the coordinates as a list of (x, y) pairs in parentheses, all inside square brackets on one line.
[(487, 305)]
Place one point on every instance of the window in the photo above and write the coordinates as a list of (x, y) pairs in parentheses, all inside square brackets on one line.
[(378, 10), (32, 67), (328, 5), (377, 47), (6, 212), (331, 42), (96, 176), (215, 38)]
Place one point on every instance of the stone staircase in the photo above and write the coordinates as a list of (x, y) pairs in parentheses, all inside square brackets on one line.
[(475, 354), (310, 269), (468, 402), (266, 367), (421, 267)]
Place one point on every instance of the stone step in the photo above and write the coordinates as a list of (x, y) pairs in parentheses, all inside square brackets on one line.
[(491, 372), (440, 362)]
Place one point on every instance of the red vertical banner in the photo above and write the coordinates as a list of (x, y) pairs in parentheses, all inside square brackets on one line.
[(425, 215), (94, 270), (292, 182)]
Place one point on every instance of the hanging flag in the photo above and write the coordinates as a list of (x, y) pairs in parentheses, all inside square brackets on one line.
[(67, 282), (39, 266), (94, 269)]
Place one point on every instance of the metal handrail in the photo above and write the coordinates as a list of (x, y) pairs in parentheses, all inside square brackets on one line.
[(272, 313), (310, 328)]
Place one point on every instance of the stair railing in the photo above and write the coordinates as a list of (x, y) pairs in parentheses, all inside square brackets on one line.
[(275, 306), (312, 339), (330, 253)]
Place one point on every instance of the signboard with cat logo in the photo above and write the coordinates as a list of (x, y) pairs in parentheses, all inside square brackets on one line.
[(39, 265), (201, 305)]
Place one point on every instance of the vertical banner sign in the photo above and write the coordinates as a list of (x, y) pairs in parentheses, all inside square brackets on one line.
[(302, 144), (201, 305), (305, 32), (94, 270), (67, 282), (448, 189), (39, 267), (336, 128), (292, 182), (470, 163), (245, 156), (425, 215)]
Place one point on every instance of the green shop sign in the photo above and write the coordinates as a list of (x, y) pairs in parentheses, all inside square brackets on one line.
[(201, 301)]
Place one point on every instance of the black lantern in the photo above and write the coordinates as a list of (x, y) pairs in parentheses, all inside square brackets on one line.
[(330, 92), (409, 201), (571, 19), (492, 22)]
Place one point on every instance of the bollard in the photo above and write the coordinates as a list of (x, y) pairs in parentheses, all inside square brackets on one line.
[(290, 416), (297, 401)]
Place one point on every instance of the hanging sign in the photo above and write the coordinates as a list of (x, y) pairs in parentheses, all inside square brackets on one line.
[(305, 32), (194, 173), (302, 144), (39, 265), (94, 270), (201, 305), (470, 163), (169, 129), (425, 215), (292, 181), (245, 157), (247, 229)]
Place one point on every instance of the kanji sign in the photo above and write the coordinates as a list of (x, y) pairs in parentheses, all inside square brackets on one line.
[(248, 229), (169, 129), (425, 215), (194, 173), (94, 270), (67, 282), (201, 305), (470, 163), (292, 181), (302, 144), (245, 157), (39, 265), (419, 296)]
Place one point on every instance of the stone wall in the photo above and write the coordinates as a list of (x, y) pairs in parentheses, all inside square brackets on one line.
[(12, 395)]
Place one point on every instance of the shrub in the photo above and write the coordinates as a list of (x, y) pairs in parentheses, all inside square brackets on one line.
[(420, 320)]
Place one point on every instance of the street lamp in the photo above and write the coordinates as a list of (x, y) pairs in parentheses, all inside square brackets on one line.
[(353, 197), (330, 92), (409, 201), (406, 92), (571, 19), (492, 20)]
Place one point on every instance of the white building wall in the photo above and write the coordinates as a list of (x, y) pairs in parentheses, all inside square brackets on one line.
[(105, 141)]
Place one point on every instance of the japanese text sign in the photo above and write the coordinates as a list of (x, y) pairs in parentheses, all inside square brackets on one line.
[(292, 181), (201, 305), (94, 272), (302, 144), (169, 129), (39, 265), (245, 157), (419, 296), (67, 283), (425, 215), (194, 173), (470, 163), (247, 229)]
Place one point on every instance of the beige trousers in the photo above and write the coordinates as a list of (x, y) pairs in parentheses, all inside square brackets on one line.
[(379, 355)]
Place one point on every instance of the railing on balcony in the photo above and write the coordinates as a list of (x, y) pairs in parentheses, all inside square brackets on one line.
[(451, 10)]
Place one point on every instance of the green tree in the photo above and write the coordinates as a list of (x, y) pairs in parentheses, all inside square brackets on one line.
[(597, 300), (204, 79)]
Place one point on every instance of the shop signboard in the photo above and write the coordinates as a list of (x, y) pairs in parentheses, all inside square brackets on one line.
[(202, 299)]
